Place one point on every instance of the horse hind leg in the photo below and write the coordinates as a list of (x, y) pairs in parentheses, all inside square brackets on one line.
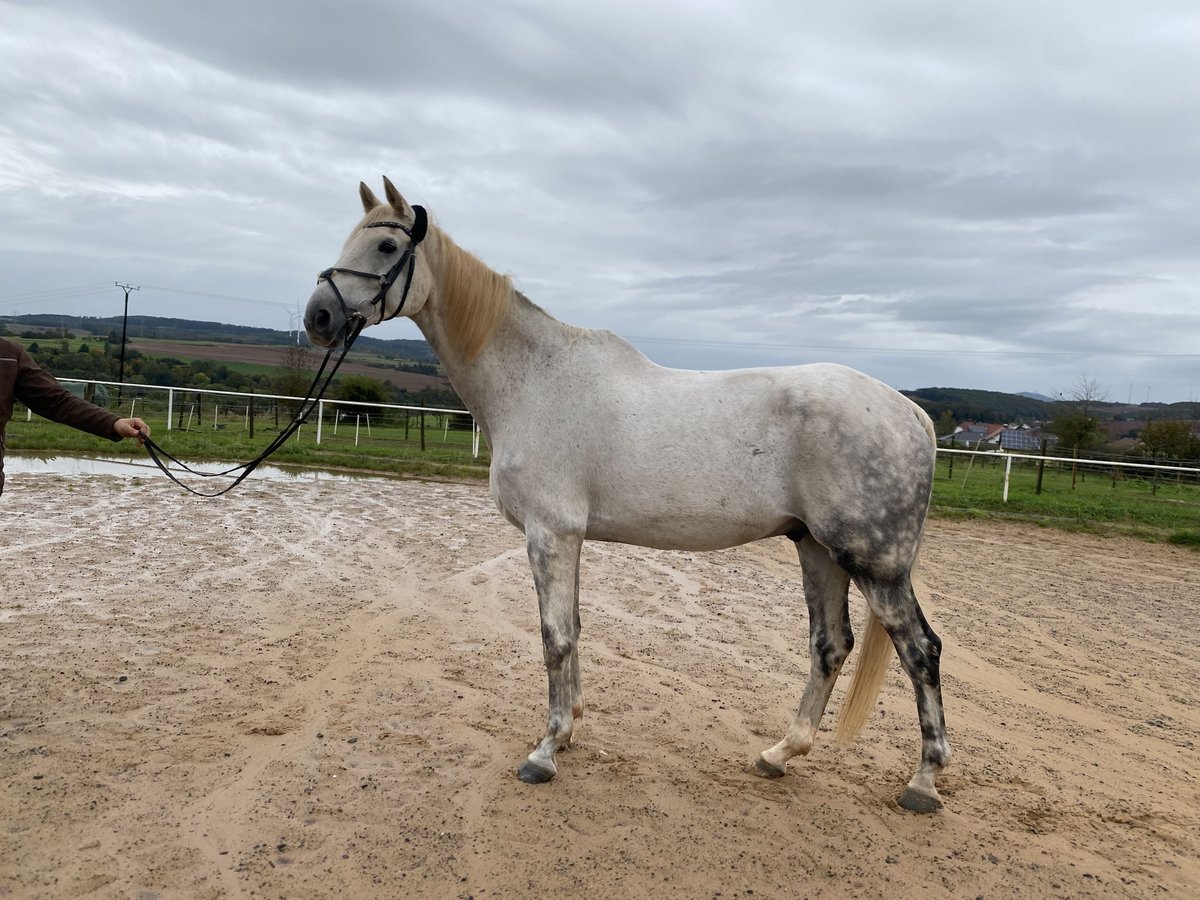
[(830, 640), (894, 604)]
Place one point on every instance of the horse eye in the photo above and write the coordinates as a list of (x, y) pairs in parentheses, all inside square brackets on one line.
[(387, 245)]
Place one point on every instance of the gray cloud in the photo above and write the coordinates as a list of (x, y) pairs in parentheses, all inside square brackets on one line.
[(936, 193)]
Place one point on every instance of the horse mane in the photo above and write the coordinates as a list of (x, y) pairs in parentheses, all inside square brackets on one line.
[(474, 299)]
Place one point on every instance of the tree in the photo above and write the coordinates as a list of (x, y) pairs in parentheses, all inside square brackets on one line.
[(295, 375), (1077, 426), (361, 389), (1172, 440), (945, 424)]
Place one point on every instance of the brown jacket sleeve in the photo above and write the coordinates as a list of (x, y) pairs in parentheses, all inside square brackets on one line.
[(37, 389)]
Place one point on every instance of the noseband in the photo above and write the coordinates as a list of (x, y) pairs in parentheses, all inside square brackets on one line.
[(355, 319)]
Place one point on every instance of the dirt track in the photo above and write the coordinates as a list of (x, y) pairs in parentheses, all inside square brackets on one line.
[(321, 689)]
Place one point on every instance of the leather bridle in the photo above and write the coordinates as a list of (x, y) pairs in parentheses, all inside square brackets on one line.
[(408, 258), (355, 323)]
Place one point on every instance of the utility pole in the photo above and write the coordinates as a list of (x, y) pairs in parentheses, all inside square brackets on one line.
[(124, 322)]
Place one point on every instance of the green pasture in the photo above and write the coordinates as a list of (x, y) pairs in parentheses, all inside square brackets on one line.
[(395, 447), (1104, 498)]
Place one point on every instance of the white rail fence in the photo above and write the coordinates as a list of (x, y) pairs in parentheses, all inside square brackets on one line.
[(252, 405), (1107, 466)]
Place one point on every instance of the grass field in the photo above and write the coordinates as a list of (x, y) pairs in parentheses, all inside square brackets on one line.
[(392, 448), (1103, 500)]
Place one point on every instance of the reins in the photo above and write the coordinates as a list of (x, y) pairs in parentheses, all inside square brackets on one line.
[(355, 323)]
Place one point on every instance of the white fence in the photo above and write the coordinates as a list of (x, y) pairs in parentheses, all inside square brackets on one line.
[(1094, 465), (252, 404)]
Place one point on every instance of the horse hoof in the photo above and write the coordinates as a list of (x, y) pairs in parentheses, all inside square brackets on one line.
[(533, 773), (764, 769), (915, 801)]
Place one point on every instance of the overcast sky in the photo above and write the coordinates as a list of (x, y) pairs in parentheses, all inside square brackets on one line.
[(998, 196)]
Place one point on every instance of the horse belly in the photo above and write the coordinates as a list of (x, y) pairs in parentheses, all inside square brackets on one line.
[(690, 514)]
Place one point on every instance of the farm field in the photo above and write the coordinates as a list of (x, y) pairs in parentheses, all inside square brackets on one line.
[(316, 689), (271, 357)]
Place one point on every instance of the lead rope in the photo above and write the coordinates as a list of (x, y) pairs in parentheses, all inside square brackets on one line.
[(158, 453)]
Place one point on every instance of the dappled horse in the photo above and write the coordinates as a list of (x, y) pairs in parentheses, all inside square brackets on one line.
[(592, 441)]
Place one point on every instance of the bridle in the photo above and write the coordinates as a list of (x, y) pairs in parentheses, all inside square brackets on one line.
[(355, 323), (416, 234)]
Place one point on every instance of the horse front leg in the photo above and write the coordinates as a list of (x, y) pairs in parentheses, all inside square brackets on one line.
[(554, 558)]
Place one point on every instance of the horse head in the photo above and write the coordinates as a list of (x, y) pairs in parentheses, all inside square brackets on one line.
[(380, 275)]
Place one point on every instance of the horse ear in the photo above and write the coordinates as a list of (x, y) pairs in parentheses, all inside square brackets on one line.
[(369, 200), (398, 203)]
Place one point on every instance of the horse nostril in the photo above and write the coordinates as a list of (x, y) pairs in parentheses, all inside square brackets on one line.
[(322, 318)]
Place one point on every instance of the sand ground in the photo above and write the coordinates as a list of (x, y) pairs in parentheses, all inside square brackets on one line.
[(322, 688)]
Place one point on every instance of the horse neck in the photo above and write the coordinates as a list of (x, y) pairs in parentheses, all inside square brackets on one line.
[(493, 381)]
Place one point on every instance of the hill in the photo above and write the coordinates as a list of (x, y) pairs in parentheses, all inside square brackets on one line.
[(996, 406), (981, 406), (167, 329)]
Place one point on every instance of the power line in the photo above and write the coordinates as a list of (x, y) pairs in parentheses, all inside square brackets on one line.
[(930, 351), (92, 286), (167, 290)]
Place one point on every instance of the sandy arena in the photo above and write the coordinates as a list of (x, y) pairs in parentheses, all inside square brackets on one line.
[(322, 688)]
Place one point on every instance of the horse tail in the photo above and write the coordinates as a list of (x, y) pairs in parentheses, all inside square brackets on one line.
[(874, 654)]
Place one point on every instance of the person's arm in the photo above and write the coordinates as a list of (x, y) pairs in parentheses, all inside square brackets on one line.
[(38, 389)]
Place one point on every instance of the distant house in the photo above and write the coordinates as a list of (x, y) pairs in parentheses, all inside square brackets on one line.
[(1025, 438), (974, 435), (988, 436)]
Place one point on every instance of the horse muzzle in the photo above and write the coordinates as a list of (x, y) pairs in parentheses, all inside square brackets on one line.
[(325, 319)]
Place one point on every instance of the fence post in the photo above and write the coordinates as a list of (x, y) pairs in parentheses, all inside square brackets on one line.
[(250, 414), (474, 439), (1007, 470), (170, 407), (320, 418)]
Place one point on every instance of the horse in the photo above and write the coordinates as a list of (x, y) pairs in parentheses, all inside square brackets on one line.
[(590, 440)]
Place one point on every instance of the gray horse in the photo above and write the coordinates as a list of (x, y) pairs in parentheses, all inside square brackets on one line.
[(592, 441)]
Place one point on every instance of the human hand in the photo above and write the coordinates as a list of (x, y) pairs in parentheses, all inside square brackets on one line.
[(132, 428)]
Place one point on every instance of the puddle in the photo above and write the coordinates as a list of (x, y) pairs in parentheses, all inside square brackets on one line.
[(16, 463)]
